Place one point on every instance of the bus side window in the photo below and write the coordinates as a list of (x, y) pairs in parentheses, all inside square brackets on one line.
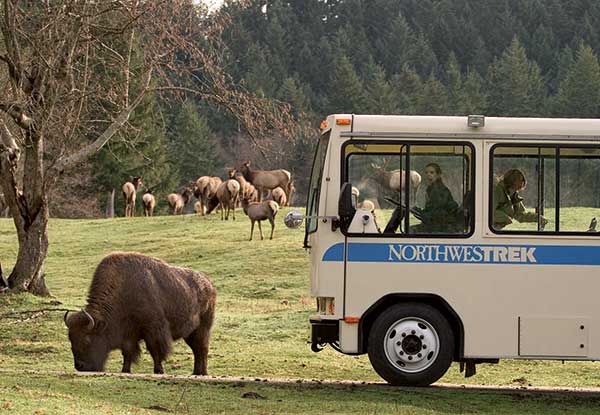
[(442, 200), (433, 197)]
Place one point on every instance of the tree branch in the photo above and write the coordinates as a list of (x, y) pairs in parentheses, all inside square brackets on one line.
[(17, 114), (66, 162)]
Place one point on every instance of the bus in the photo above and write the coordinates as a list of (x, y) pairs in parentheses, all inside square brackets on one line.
[(465, 238)]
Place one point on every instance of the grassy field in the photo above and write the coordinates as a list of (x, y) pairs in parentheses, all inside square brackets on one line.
[(261, 330)]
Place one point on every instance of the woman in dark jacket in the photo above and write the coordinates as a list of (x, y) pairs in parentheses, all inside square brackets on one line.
[(439, 213)]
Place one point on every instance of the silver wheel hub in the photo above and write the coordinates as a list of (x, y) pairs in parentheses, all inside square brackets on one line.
[(411, 344)]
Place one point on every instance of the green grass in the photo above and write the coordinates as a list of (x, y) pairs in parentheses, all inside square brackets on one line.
[(261, 330)]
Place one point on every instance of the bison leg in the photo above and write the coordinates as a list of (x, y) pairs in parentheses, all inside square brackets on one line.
[(198, 341), (131, 352), (158, 343)]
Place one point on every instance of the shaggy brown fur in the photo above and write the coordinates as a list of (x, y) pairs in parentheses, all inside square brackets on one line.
[(134, 297), (129, 190)]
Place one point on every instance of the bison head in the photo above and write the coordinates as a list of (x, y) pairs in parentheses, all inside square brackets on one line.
[(88, 341)]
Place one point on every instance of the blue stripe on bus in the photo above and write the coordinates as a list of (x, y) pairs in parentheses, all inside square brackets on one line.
[(465, 253)]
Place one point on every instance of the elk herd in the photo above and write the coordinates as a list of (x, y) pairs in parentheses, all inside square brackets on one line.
[(244, 187)]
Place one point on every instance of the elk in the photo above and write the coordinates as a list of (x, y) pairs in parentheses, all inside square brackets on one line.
[(265, 180), (259, 211), (279, 196), (204, 189), (149, 202), (129, 190), (199, 208), (228, 194), (394, 180), (134, 297), (177, 201), (246, 188)]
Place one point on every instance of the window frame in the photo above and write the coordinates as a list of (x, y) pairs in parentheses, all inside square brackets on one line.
[(557, 147), (407, 142)]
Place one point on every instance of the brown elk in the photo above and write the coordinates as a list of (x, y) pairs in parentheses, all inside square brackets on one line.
[(394, 180), (204, 189), (129, 190), (246, 188), (265, 180), (177, 201), (228, 194), (259, 211), (149, 202), (134, 297), (279, 196)]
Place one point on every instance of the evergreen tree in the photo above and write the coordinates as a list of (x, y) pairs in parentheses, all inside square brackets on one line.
[(346, 93), (433, 99), (473, 98), (192, 145), (141, 151), (515, 84), (579, 92), (454, 86), (381, 98), (259, 78), (407, 87), (291, 92)]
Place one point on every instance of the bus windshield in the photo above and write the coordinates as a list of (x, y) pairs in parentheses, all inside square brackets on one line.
[(314, 190)]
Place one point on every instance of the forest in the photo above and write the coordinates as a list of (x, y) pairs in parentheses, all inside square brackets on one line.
[(529, 58)]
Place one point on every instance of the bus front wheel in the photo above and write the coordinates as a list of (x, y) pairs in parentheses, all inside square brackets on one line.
[(411, 344)]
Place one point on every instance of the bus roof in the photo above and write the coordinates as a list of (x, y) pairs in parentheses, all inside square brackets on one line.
[(442, 126)]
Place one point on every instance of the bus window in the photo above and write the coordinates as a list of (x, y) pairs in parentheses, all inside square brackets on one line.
[(579, 189), (441, 199), (437, 189), (545, 189), (375, 173), (314, 189), (522, 189)]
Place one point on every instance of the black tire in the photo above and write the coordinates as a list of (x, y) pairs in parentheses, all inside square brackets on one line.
[(402, 332)]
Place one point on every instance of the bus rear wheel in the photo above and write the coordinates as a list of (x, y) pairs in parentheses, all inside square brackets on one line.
[(411, 344)]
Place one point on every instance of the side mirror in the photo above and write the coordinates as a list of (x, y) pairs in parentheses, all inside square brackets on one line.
[(346, 206), (293, 219)]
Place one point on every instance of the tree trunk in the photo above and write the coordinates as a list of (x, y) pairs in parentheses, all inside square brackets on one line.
[(110, 204), (28, 273)]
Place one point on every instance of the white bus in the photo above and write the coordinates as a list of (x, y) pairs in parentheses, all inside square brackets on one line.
[(440, 239)]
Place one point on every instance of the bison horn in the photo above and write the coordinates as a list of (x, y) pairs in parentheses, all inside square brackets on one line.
[(92, 322)]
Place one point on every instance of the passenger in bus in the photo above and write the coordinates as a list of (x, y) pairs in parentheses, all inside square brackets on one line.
[(440, 211), (508, 203)]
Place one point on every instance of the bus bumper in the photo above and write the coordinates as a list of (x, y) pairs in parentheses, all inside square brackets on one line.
[(324, 332)]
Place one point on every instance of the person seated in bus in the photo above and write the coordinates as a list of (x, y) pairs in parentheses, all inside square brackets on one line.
[(508, 203), (440, 211)]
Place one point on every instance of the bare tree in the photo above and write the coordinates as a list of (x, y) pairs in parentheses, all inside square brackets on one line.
[(73, 72)]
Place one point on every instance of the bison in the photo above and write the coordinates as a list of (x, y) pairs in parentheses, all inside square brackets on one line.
[(134, 297)]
